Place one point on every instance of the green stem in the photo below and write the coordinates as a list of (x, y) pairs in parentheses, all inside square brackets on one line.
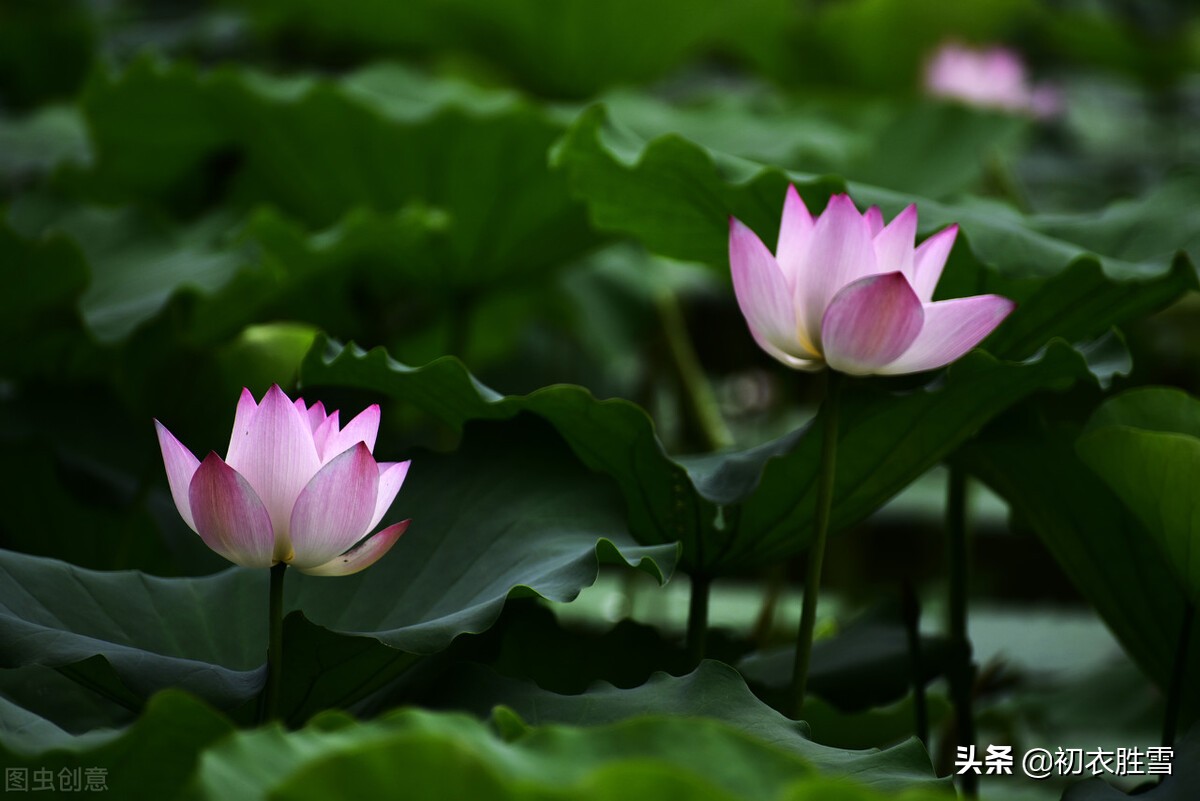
[(1175, 692), (697, 629), (775, 580), (912, 628), (816, 553), (270, 703), (699, 403), (962, 670)]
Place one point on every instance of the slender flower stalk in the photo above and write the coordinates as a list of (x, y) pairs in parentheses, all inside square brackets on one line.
[(829, 412), (911, 607), (698, 403), (698, 406), (697, 625), (962, 667), (270, 699)]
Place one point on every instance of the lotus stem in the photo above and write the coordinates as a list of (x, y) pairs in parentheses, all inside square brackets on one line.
[(697, 629), (699, 405), (1178, 674), (962, 671), (270, 704), (816, 553), (775, 579), (912, 627)]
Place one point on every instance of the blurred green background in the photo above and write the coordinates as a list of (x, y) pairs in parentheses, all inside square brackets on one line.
[(193, 191)]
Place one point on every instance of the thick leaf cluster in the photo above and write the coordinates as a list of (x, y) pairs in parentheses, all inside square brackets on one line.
[(528, 195)]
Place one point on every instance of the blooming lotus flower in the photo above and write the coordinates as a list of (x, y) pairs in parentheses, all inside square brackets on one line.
[(847, 291), (991, 78), (293, 488)]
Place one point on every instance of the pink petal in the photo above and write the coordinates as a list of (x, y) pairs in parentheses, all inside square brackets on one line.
[(335, 509), (894, 244), (278, 458), (246, 409), (363, 428), (870, 323), (795, 231), (391, 477), (230, 517), (328, 428), (316, 415), (841, 253), (362, 557), (930, 260), (762, 293), (952, 327), (874, 218), (181, 466)]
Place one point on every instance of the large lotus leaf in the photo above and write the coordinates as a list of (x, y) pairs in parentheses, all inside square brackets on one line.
[(676, 197), (117, 268), (1102, 546), (439, 755), (559, 47), (151, 132), (864, 668), (343, 278), (530, 642), (202, 634), (153, 758), (352, 209), (713, 690), (383, 139), (45, 709), (735, 509), (511, 509), (1145, 444), (36, 143), (43, 278), (511, 512), (713, 703), (134, 264), (930, 149)]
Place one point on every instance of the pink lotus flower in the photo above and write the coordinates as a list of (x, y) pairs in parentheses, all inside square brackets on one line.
[(847, 291), (293, 488), (991, 78)]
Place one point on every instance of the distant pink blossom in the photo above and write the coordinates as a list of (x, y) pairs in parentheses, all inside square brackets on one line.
[(990, 78), (294, 487), (847, 291)]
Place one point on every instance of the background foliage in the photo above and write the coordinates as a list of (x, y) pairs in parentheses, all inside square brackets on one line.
[(506, 222)]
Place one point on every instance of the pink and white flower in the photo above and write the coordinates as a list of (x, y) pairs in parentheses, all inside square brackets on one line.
[(992, 78), (294, 487), (846, 291)]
